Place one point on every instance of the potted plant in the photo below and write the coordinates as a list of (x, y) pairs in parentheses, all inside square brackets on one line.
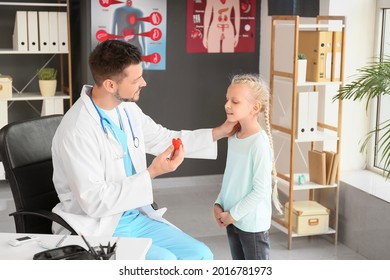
[(47, 81), (302, 64), (372, 81)]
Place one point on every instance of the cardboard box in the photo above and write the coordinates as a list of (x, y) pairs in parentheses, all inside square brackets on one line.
[(5, 86), (309, 217)]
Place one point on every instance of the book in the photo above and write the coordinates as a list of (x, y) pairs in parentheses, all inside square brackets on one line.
[(317, 167), (333, 172), (329, 164)]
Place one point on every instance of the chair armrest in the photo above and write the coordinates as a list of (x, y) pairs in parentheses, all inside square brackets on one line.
[(47, 215)]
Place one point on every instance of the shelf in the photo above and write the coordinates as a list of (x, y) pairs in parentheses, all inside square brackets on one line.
[(33, 4), (307, 186), (11, 51), (34, 96), (58, 57), (290, 76), (294, 234), (286, 92), (305, 84), (330, 27), (318, 137)]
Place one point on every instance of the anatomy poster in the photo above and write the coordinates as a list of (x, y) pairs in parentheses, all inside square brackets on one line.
[(139, 22), (221, 26)]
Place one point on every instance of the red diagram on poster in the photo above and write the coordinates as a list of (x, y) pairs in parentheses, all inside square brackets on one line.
[(221, 26), (141, 23)]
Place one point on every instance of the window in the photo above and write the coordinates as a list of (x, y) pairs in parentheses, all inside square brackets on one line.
[(381, 112)]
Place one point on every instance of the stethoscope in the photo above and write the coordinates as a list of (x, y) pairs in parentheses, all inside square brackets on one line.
[(103, 119)]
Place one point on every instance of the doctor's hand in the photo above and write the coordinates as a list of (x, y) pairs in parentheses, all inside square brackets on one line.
[(164, 163), (225, 130)]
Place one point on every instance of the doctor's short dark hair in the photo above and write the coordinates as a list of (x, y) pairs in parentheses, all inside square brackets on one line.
[(110, 58)]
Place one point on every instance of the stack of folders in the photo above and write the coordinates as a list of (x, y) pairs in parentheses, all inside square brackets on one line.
[(45, 31), (323, 167), (323, 52)]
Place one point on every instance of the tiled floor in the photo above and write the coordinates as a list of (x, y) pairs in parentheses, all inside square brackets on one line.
[(189, 201)]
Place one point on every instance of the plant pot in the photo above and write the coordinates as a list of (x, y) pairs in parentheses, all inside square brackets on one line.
[(48, 87), (302, 64)]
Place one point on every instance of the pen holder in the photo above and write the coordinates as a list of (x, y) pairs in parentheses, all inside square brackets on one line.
[(103, 254)]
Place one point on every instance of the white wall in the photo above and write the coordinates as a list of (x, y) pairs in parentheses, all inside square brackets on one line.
[(360, 21)]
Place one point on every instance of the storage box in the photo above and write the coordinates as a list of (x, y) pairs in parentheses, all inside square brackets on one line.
[(309, 217), (5, 86)]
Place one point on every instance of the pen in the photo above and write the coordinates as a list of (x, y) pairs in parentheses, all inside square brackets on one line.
[(90, 248), (102, 249), (61, 240), (113, 247)]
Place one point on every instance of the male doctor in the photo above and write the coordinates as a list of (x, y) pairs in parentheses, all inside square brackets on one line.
[(99, 158)]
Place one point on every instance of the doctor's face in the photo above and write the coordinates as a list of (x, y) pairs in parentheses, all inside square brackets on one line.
[(129, 87)]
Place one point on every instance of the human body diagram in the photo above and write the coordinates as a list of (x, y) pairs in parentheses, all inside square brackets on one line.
[(122, 25), (221, 30)]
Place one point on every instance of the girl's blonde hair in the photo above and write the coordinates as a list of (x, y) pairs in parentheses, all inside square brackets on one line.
[(260, 91)]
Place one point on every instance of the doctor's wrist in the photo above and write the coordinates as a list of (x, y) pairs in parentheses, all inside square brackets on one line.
[(152, 172)]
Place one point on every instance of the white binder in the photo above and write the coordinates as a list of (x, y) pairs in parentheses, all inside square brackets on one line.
[(303, 112), (307, 115), (19, 38), (43, 19), (312, 117), (62, 32), (32, 30), (53, 31)]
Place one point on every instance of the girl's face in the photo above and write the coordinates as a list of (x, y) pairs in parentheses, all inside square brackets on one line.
[(240, 105)]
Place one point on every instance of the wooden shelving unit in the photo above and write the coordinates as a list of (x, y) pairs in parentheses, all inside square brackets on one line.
[(284, 88), (51, 105)]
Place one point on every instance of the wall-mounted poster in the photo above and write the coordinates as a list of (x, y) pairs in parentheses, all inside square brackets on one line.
[(139, 22), (221, 26)]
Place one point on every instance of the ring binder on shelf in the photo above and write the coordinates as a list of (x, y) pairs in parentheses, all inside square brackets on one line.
[(44, 38), (62, 32), (53, 31), (19, 37), (32, 30)]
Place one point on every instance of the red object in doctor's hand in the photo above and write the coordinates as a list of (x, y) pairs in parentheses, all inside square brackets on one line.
[(176, 142)]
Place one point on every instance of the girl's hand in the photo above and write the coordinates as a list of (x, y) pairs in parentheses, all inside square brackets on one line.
[(226, 218), (217, 211)]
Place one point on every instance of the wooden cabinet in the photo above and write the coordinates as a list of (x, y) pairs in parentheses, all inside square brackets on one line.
[(22, 65), (304, 116)]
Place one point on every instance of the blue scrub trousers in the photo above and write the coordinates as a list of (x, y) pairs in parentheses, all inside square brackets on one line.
[(168, 242)]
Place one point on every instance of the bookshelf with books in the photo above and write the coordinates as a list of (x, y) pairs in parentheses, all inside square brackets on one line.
[(306, 123), (35, 35)]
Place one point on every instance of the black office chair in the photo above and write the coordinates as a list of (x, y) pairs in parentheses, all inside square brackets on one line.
[(25, 149)]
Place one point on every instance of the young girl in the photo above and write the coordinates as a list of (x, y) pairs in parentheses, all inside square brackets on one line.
[(244, 203)]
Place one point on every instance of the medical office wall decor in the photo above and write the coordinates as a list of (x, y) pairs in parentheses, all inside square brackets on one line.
[(139, 22), (221, 26)]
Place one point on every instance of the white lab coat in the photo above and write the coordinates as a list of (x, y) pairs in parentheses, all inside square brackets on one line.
[(89, 176)]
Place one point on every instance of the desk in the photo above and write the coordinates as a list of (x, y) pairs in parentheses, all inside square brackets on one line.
[(127, 248), (51, 104)]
